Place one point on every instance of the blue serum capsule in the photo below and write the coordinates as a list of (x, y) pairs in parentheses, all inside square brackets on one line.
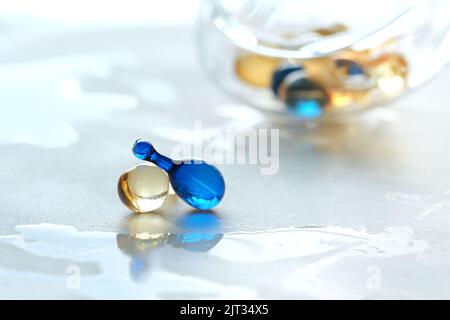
[(198, 183)]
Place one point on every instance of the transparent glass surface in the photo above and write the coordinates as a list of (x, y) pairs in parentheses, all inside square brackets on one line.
[(79, 83)]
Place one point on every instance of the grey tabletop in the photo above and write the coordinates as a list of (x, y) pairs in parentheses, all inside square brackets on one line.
[(358, 208)]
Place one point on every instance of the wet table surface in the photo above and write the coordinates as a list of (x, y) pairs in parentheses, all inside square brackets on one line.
[(358, 208)]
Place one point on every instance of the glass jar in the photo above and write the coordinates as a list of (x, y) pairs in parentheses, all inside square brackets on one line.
[(323, 58)]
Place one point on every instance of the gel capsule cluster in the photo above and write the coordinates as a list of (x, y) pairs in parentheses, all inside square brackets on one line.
[(310, 88), (144, 187)]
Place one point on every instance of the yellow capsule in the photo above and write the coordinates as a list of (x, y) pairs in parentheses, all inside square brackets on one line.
[(391, 72), (341, 98), (256, 70), (143, 188), (391, 85)]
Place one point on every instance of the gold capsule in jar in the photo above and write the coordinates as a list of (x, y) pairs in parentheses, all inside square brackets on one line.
[(391, 73), (256, 70)]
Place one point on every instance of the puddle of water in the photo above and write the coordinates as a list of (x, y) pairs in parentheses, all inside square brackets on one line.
[(190, 258)]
